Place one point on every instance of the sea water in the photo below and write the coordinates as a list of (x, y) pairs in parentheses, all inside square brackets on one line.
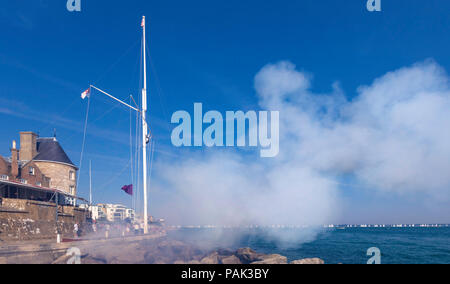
[(347, 246)]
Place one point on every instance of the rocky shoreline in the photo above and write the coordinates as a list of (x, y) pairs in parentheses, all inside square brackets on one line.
[(175, 252), (248, 256)]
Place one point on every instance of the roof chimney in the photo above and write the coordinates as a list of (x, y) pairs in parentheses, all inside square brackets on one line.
[(28, 146), (14, 161)]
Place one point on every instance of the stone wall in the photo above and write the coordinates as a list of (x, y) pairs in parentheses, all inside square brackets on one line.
[(59, 175), (30, 220)]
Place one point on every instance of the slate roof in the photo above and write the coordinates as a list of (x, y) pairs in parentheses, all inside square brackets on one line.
[(49, 150)]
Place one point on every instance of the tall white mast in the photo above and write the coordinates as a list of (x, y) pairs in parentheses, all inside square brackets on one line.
[(90, 182), (144, 131), (145, 137)]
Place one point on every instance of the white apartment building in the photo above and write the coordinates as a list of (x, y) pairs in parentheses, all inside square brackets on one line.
[(116, 212), (97, 212)]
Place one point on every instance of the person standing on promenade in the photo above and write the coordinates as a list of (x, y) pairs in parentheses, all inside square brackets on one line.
[(75, 230)]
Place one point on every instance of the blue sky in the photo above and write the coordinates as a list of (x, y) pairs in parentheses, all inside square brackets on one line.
[(201, 51)]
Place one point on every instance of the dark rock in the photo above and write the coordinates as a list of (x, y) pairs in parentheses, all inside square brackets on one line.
[(247, 255), (225, 252)]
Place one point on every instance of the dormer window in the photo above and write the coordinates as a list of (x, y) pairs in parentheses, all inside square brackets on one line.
[(31, 171), (4, 177)]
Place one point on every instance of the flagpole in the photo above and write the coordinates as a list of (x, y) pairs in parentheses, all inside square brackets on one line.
[(144, 131), (90, 182)]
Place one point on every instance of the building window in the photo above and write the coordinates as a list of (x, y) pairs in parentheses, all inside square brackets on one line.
[(72, 175), (4, 177), (72, 190), (39, 184), (24, 181), (31, 171)]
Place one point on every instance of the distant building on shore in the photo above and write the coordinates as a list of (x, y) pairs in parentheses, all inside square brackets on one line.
[(112, 213)]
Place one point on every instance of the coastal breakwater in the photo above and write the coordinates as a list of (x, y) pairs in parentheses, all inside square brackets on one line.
[(24, 220)]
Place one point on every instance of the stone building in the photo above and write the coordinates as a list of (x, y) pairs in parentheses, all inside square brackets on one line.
[(38, 191), (40, 162)]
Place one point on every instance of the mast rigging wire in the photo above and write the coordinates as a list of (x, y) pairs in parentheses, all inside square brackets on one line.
[(84, 140)]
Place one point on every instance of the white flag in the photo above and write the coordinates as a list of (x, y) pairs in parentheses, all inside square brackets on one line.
[(86, 93)]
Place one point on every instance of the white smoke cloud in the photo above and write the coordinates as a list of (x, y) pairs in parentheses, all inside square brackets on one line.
[(226, 189), (392, 137)]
